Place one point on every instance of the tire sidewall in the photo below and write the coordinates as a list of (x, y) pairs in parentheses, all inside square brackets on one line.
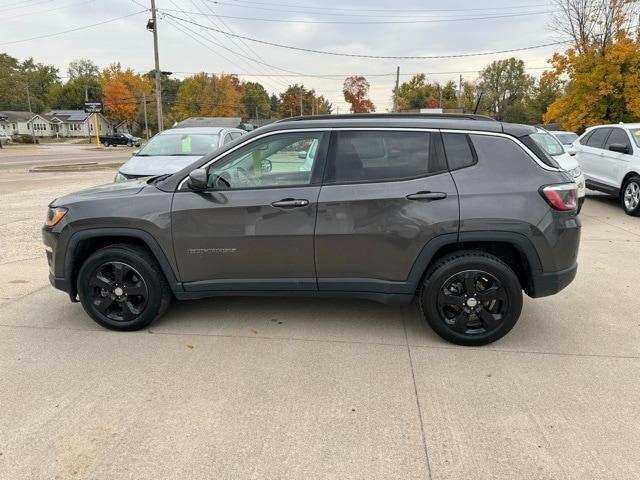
[(439, 276), (141, 265), (636, 211)]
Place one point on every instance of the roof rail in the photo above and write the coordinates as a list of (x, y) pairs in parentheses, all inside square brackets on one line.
[(458, 116)]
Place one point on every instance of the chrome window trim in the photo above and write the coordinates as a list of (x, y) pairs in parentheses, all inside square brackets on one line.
[(400, 129)]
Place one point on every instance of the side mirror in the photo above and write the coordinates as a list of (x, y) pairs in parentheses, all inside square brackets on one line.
[(302, 154), (571, 151), (619, 147), (198, 180)]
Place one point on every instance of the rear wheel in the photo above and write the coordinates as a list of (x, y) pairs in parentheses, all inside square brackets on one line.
[(105, 144), (121, 287), (471, 298), (631, 196)]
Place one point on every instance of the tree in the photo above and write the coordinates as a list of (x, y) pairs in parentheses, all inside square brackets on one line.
[(356, 92), (190, 96), (602, 67), (222, 97), (311, 103), (16, 77), (505, 86), (545, 91), (255, 100), (593, 24), (82, 67), (119, 101), (419, 93), (274, 102)]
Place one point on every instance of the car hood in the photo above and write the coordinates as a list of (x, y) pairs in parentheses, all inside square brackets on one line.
[(130, 187), (159, 165), (566, 161)]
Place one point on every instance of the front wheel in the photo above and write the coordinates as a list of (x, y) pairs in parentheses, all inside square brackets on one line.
[(122, 287), (631, 196), (471, 298)]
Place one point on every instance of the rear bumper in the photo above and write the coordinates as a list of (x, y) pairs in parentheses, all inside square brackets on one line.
[(550, 283)]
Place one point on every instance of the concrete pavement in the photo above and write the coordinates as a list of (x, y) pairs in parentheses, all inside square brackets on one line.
[(23, 157), (328, 389)]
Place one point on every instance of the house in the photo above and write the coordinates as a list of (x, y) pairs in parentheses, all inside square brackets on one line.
[(56, 123), (75, 123), (16, 123)]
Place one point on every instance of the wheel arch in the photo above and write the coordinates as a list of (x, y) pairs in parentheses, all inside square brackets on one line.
[(629, 174), (512, 248), (83, 243)]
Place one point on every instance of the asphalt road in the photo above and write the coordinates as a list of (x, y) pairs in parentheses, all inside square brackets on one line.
[(259, 388), (24, 157)]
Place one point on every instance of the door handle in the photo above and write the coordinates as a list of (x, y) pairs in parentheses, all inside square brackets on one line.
[(427, 196), (291, 203)]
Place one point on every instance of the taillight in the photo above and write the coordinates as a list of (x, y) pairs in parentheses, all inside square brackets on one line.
[(561, 197)]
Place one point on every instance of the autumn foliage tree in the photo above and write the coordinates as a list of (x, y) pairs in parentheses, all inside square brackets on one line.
[(289, 104), (204, 95), (122, 90), (356, 92), (602, 67)]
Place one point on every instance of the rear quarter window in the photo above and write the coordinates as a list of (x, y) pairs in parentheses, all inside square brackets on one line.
[(500, 149), (598, 137), (458, 150)]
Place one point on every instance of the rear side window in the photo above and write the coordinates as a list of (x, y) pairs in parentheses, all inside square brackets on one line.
[(597, 138), (499, 149), (459, 151), (235, 135), (585, 139), (370, 156)]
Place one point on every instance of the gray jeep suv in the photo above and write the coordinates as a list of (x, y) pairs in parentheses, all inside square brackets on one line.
[(459, 211)]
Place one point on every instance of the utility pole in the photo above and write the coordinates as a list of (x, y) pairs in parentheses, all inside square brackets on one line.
[(33, 135), (395, 96), (460, 92), (144, 108), (257, 119), (301, 101), (154, 29), (86, 93)]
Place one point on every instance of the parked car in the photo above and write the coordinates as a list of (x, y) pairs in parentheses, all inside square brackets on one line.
[(566, 139), (552, 146), (116, 139), (173, 149), (460, 212), (609, 156), (5, 138)]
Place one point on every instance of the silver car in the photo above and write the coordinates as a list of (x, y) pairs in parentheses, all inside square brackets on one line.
[(174, 149)]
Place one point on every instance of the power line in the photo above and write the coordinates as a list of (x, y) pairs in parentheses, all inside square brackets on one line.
[(377, 22), (72, 29), (47, 11), (386, 9), (394, 57)]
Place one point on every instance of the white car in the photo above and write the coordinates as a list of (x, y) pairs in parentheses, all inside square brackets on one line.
[(609, 156), (553, 147), (175, 148), (566, 139)]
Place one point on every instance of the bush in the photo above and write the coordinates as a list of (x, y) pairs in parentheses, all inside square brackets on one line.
[(24, 138)]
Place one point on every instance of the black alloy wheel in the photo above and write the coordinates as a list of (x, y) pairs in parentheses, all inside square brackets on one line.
[(118, 291), (471, 298), (472, 302), (122, 287)]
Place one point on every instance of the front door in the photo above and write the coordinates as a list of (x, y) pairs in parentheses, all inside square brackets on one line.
[(386, 194), (253, 227), (592, 154)]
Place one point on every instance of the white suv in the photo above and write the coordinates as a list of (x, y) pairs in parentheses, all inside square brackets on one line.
[(609, 156)]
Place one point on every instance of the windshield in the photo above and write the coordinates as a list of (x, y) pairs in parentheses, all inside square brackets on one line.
[(635, 133), (566, 138), (548, 143), (190, 144)]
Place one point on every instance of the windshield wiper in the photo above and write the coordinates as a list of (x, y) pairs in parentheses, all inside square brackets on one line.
[(159, 178)]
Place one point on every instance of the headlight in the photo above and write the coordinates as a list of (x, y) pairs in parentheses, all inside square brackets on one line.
[(120, 178), (54, 215), (576, 172)]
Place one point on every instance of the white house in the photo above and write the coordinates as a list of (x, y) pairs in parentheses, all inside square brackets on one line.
[(75, 123), (62, 123)]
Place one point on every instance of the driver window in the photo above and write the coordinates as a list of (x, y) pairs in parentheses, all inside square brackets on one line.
[(284, 159)]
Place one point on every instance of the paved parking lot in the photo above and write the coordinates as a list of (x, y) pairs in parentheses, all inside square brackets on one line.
[(297, 388)]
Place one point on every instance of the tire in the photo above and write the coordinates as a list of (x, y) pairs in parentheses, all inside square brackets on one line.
[(105, 144), (463, 279), (630, 196), (129, 144), (108, 279)]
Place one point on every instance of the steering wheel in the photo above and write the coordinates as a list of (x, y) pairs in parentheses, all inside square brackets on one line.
[(242, 172)]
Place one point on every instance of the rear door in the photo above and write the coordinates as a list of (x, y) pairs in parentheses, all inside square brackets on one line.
[(385, 195), (591, 155)]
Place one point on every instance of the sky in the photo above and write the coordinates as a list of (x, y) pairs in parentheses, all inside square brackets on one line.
[(371, 27)]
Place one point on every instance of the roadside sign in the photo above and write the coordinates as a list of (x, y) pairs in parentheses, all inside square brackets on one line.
[(93, 107)]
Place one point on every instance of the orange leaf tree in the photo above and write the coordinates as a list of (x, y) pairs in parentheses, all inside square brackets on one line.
[(119, 102), (356, 92)]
